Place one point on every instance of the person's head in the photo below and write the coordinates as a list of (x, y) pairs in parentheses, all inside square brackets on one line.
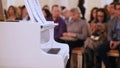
[(11, 11), (117, 8), (93, 14), (112, 9), (56, 11), (46, 7), (19, 11), (107, 9), (46, 13), (24, 11), (63, 7), (75, 13), (66, 13), (101, 16)]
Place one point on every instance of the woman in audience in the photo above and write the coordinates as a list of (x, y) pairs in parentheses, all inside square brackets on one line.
[(24, 15), (77, 31), (11, 14), (92, 19), (93, 15), (46, 13), (98, 36)]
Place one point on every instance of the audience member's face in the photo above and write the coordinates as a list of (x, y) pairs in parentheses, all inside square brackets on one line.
[(45, 15), (94, 13), (56, 11), (24, 12), (66, 13), (112, 10), (118, 10), (11, 11), (75, 16), (100, 16)]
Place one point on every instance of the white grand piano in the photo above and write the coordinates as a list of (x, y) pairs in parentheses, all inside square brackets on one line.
[(27, 44)]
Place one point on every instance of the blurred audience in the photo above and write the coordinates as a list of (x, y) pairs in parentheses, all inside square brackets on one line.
[(113, 41), (100, 34)]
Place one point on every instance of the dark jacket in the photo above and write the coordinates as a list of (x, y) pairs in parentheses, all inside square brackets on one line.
[(60, 29)]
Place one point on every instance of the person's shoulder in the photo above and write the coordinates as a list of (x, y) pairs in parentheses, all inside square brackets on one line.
[(61, 19), (84, 22)]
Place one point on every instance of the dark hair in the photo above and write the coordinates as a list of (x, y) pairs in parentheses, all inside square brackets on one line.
[(91, 14), (116, 4), (23, 7), (14, 9), (105, 15), (63, 7), (47, 13), (113, 3), (45, 6)]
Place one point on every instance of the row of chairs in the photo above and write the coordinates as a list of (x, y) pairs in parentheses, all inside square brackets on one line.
[(77, 57)]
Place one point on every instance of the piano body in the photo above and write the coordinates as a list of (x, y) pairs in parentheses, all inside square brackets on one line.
[(26, 44), (21, 47)]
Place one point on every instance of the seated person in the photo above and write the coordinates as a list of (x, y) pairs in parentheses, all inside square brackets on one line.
[(61, 28), (113, 39), (77, 31), (98, 30), (97, 37)]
